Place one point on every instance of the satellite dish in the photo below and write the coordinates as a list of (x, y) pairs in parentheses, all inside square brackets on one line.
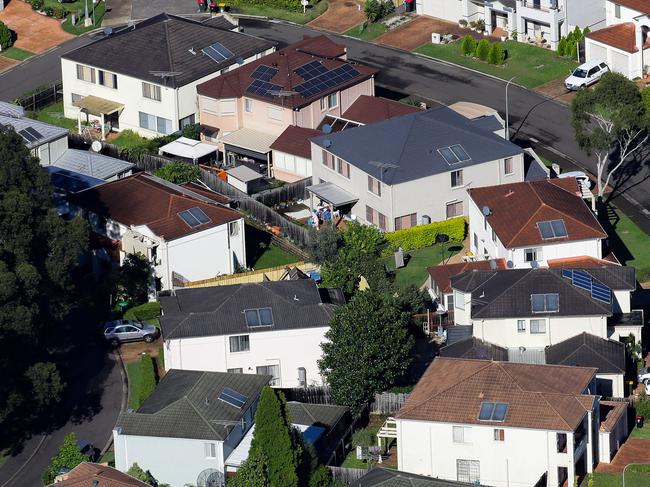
[(108, 31), (240, 60), (510, 264), (486, 211), (96, 146), (327, 143), (327, 128), (534, 264), (210, 477), (442, 238)]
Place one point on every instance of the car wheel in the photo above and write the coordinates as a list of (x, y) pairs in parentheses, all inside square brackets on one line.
[(583, 87), (115, 342), (148, 338)]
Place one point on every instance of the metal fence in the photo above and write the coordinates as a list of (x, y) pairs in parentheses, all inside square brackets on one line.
[(288, 192), (41, 97), (347, 475), (388, 402)]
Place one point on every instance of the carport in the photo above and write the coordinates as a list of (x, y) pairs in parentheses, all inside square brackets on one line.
[(249, 143), (331, 194), (98, 107)]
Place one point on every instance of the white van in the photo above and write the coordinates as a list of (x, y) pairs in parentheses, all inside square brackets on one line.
[(586, 74)]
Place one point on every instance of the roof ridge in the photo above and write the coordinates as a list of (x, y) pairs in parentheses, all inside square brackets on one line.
[(405, 144), (200, 415), (522, 227), (526, 274), (596, 352), (543, 396), (169, 50)]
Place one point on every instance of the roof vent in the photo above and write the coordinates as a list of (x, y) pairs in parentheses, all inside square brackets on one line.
[(207, 401), (486, 211), (192, 51), (95, 483), (295, 297)]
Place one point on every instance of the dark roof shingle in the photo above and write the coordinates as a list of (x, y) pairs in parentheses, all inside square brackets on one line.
[(369, 109), (586, 350), (383, 477), (441, 274), (474, 348), (295, 140)]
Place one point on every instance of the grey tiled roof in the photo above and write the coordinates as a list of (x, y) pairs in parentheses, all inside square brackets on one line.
[(474, 348), (220, 22), (90, 163), (586, 350), (185, 405), (507, 293), (49, 132), (219, 310), (412, 141), (383, 477), (162, 43), (326, 415)]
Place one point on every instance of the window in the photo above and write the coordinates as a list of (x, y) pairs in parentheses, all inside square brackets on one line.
[(450, 301), (258, 317), (476, 242), (508, 167), (323, 104), (454, 154), (459, 300), (343, 168), (493, 411), (240, 343), (332, 100), (521, 326), (248, 105), (209, 105), (151, 91), (274, 113), (109, 80), (456, 178), (538, 326), (210, 450), (454, 209), (468, 471), (545, 303), (376, 218), (328, 160), (533, 255), (163, 126), (272, 370), (617, 11), (233, 229), (237, 370), (406, 221), (75, 97), (185, 121), (85, 73), (374, 186), (302, 376), (462, 434), (155, 124), (552, 229), (499, 434)]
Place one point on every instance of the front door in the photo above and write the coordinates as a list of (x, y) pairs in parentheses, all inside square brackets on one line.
[(113, 120)]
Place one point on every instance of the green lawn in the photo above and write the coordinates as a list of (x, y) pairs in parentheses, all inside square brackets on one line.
[(79, 7), (134, 372), (128, 139), (368, 33), (634, 477), (274, 256), (641, 433), (53, 114), (533, 66), (415, 271), (109, 457), (17, 53), (375, 422), (629, 243), (262, 253), (313, 11)]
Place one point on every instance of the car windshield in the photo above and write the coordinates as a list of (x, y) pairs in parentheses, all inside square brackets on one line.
[(580, 73)]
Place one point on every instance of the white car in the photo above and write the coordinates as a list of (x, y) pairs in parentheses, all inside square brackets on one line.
[(585, 75), (579, 175), (643, 376)]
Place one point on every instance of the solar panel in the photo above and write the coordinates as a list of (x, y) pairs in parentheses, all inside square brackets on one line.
[(310, 70), (264, 73), (263, 88), (460, 153), (448, 155), (500, 410), (582, 280), (487, 408), (325, 80), (568, 273), (232, 397), (217, 52), (199, 215), (601, 292), (546, 230), (27, 136), (35, 133), (559, 228)]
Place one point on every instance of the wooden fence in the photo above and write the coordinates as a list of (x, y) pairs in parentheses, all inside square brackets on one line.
[(347, 475), (41, 97), (288, 192), (271, 274), (311, 395), (388, 403)]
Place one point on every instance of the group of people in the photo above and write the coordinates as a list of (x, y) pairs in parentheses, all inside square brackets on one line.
[(320, 215)]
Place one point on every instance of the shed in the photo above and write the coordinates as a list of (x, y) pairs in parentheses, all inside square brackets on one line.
[(243, 178)]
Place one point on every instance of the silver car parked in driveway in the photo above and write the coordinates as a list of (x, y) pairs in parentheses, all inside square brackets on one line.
[(120, 331)]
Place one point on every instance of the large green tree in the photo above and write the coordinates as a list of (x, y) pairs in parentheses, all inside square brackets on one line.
[(179, 172), (39, 252), (367, 348), (611, 122), (68, 457)]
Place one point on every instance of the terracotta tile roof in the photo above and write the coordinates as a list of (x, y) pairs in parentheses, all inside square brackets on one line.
[(548, 397), (621, 36), (85, 474), (295, 140), (368, 109), (583, 262), (143, 199), (610, 414), (517, 208), (639, 5), (441, 274), (233, 84)]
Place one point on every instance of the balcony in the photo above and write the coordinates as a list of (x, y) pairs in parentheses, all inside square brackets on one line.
[(538, 5)]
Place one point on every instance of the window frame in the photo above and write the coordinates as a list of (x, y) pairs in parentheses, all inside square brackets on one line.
[(454, 204), (243, 343), (342, 167), (546, 298), (210, 450), (459, 303), (499, 435), (412, 221), (91, 71), (521, 326), (534, 251), (274, 379), (470, 472), (372, 182), (329, 160), (236, 370), (456, 178), (534, 325), (154, 90), (508, 166), (335, 98), (248, 104), (461, 435)]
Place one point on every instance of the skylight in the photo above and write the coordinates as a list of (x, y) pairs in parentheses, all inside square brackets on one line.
[(545, 303), (258, 317), (217, 52), (454, 154), (552, 229), (30, 134), (194, 217), (493, 411), (232, 397)]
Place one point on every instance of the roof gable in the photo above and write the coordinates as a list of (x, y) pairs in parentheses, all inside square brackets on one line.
[(369, 109), (441, 274), (587, 350)]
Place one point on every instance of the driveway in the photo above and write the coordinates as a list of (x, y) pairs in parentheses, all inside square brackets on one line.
[(34, 32), (340, 16), (6, 63)]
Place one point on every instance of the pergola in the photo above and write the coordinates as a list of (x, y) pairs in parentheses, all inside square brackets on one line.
[(99, 107)]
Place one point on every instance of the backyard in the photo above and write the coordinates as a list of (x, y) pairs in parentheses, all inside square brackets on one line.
[(629, 242), (262, 253), (532, 66), (53, 114), (366, 437), (415, 270)]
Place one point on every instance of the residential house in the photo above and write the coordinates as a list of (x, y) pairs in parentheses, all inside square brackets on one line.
[(613, 429), (272, 327), (370, 109), (498, 423), (388, 477), (96, 475), (184, 432), (383, 173), (245, 110), (143, 77), (624, 40), (529, 223), (186, 235)]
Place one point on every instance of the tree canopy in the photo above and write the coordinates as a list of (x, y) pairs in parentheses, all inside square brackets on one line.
[(68, 457), (134, 278), (179, 172)]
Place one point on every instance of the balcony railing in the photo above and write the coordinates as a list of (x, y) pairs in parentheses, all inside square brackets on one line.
[(539, 6)]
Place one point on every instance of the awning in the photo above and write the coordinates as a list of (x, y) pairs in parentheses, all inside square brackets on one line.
[(188, 148), (249, 139), (98, 106), (332, 194)]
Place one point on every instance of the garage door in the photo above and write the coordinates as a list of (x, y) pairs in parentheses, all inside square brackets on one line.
[(620, 63), (448, 10), (597, 53)]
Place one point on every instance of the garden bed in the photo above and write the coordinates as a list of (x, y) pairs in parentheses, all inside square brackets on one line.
[(313, 11)]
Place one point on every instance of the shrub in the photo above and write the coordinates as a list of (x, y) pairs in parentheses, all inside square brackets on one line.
[(37, 4), (144, 312), (496, 54), (49, 11), (480, 25), (462, 23), (483, 49), (577, 34), (472, 24), (191, 131), (60, 12), (178, 172), (362, 437), (373, 10), (425, 235), (148, 377), (468, 46), (561, 47), (586, 31), (571, 50), (5, 36)]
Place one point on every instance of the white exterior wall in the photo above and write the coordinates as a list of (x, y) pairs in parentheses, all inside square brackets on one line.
[(622, 301), (290, 349), (610, 385), (427, 448), (624, 331), (611, 441), (289, 167), (53, 150)]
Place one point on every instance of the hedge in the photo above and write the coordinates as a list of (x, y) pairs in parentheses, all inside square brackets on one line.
[(144, 312), (148, 377), (425, 235)]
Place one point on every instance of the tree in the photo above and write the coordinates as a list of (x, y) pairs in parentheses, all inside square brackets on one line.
[(145, 476), (496, 55), (361, 240), (68, 457), (468, 45), (346, 270), (46, 384), (178, 172), (5, 36), (373, 10), (610, 122), (483, 49), (561, 47), (253, 472), (322, 477), (133, 278), (367, 348), (325, 244)]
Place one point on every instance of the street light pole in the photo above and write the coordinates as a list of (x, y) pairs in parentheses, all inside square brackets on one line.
[(507, 134)]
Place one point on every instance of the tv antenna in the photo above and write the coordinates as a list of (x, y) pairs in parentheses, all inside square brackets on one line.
[(282, 94), (164, 75)]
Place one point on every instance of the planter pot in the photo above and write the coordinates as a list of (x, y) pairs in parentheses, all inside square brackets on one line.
[(504, 38)]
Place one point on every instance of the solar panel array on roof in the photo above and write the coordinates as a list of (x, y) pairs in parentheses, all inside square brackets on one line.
[(30, 134), (454, 154), (263, 88), (493, 411), (552, 229), (585, 281), (194, 217), (217, 52), (326, 80), (264, 73), (232, 397), (311, 70)]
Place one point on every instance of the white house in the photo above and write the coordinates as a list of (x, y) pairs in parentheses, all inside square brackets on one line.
[(186, 235), (623, 42), (143, 77), (273, 328), (500, 423), (529, 223)]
